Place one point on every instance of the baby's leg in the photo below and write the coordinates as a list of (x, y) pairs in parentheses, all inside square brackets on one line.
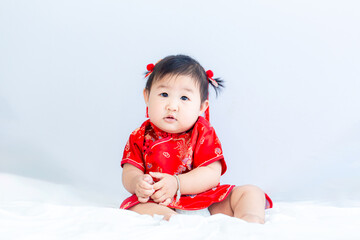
[(153, 208), (245, 202)]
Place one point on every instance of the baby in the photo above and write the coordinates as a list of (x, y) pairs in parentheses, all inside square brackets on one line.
[(174, 161)]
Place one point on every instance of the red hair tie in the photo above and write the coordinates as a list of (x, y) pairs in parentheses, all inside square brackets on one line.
[(210, 74), (150, 68)]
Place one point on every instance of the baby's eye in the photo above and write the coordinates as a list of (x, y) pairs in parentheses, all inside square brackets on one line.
[(164, 94), (184, 98)]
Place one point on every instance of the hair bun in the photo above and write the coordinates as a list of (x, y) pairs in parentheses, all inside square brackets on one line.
[(150, 67), (209, 73)]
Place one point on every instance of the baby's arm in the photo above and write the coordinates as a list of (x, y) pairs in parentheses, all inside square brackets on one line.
[(136, 182), (196, 181)]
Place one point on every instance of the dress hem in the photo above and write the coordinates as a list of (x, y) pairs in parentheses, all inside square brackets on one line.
[(132, 201)]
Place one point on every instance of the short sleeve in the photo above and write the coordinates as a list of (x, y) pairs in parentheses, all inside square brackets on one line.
[(133, 151), (208, 147)]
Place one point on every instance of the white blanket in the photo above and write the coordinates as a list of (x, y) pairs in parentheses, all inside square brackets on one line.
[(33, 209)]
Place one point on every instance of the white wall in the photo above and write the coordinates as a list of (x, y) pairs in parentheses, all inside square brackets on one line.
[(71, 79)]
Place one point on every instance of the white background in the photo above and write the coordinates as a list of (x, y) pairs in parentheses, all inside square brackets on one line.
[(71, 80)]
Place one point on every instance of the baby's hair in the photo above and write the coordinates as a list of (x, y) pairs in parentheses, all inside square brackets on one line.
[(187, 66)]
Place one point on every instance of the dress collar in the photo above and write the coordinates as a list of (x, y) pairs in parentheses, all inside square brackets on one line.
[(162, 134)]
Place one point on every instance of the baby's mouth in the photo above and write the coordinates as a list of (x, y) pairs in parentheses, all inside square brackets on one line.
[(170, 118)]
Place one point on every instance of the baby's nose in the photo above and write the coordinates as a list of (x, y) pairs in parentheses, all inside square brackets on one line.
[(172, 106)]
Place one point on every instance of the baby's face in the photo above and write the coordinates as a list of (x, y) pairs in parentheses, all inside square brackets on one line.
[(174, 103)]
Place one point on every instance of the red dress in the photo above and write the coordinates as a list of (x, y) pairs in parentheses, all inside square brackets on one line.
[(153, 150)]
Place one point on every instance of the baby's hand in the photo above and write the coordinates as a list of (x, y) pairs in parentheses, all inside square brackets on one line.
[(166, 202), (165, 188), (144, 188)]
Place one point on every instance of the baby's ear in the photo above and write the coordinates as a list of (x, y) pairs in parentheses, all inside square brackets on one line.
[(146, 95), (203, 107)]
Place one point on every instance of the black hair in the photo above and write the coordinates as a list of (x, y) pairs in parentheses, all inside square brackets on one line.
[(183, 65)]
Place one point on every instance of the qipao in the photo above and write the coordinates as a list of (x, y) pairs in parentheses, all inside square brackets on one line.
[(153, 150)]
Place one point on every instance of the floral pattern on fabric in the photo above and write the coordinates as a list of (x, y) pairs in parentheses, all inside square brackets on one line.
[(151, 149)]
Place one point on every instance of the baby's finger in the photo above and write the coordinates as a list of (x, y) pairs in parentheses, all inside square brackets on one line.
[(143, 199), (147, 178), (145, 185), (161, 199), (145, 193), (166, 202), (158, 196), (158, 185), (157, 175)]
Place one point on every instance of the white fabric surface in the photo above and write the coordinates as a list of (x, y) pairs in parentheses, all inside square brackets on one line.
[(33, 209), (202, 212)]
